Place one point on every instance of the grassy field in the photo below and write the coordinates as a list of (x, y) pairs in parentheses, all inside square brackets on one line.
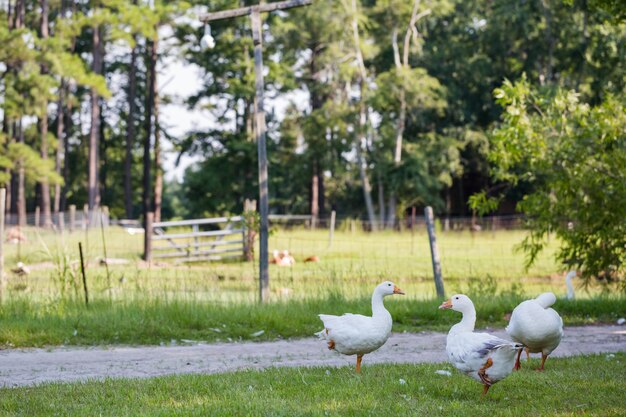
[(162, 321), (590, 386), (153, 304), (354, 263)]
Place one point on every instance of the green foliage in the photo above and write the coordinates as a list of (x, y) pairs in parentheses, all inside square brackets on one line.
[(572, 155), (482, 204)]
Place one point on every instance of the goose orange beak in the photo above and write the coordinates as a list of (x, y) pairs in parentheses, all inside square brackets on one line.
[(446, 305), (397, 290)]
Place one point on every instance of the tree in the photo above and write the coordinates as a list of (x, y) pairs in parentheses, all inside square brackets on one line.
[(570, 156), (130, 128)]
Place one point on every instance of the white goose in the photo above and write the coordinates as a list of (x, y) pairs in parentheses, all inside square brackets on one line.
[(537, 326), (481, 356), (354, 334)]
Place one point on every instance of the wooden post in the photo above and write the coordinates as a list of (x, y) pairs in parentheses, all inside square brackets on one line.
[(86, 222), (105, 213), (251, 229), (434, 251), (85, 216), (37, 212), (82, 269), (3, 196), (60, 221), (106, 258), (413, 210), (259, 113), (72, 217), (331, 232), (147, 238), (195, 230)]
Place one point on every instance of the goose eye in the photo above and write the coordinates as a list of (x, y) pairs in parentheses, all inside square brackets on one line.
[(456, 298), (389, 285)]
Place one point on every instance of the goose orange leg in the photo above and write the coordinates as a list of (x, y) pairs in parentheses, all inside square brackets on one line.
[(358, 363), (518, 365), (543, 361), (527, 354), (482, 374), (331, 344)]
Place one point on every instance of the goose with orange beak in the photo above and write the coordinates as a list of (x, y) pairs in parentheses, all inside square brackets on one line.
[(481, 356), (355, 334)]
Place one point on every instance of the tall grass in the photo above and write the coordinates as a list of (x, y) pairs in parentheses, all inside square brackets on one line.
[(160, 320)]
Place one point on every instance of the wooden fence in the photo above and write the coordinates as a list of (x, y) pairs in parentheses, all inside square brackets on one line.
[(71, 220), (208, 239)]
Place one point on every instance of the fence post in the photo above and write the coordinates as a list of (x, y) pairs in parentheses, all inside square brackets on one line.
[(251, 226), (195, 229), (3, 195), (434, 251), (105, 213), (331, 232), (147, 238), (37, 217), (60, 220), (72, 217), (85, 216)]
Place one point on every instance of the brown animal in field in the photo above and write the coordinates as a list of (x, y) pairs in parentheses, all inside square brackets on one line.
[(313, 258), (15, 235), (282, 258), (275, 257)]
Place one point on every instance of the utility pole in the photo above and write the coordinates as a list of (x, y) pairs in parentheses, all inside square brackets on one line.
[(257, 35)]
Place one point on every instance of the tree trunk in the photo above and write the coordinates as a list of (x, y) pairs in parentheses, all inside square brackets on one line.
[(147, 182), (60, 154), (66, 165), (43, 124), (322, 199), (381, 200), (21, 194), (391, 215), (367, 188), (549, 66), (315, 212), (391, 219), (130, 133), (158, 172), (401, 123), (93, 190), (102, 157)]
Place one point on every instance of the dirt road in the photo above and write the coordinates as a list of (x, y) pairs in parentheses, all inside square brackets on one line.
[(19, 367)]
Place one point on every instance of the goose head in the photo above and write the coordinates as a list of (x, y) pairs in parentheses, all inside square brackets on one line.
[(458, 302), (546, 299), (388, 288)]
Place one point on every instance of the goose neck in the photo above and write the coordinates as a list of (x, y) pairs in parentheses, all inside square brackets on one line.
[(378, 307), (467, 323)]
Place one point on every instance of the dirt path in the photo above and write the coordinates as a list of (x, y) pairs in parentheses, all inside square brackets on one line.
[(32, 366)]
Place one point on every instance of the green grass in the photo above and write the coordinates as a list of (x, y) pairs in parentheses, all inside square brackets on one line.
[(354, 263), (161, 321), (591, 385), (143, 304)]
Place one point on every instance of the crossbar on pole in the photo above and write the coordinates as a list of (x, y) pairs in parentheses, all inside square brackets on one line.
[(263, 8)]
